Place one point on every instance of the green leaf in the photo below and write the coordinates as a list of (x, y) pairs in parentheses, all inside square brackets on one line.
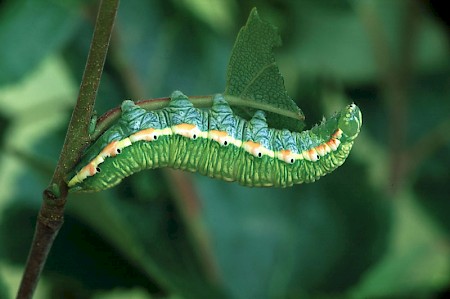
[(3, 289), (30, 31), (149, 235), (254, 76), (295, 242), (4, 124)]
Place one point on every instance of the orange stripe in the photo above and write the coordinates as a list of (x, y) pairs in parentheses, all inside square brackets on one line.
[(91, 168), (146, 135), (252, 147), (185, 126), (110, 150), (218, 133), (337, 134), (285, 153), (332, 144), (313, 155), (321, 150)]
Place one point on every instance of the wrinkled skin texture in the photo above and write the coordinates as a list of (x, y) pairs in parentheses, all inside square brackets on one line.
[(215, 143)]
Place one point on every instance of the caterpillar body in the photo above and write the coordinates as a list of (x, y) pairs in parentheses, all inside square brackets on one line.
[(215, 143)]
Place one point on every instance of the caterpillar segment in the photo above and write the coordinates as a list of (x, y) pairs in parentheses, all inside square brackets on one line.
[(215, 143)]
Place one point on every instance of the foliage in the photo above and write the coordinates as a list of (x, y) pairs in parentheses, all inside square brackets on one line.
[(252, 73), (377, 227)]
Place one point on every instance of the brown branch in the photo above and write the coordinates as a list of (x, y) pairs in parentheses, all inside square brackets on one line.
[(189, 207), (427, 145), (395, 76), (51, 214), (398, 92)]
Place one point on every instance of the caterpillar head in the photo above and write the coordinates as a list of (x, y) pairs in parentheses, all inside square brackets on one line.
[(350, 122)]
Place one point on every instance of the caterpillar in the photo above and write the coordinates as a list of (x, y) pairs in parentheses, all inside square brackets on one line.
[(215, 143)]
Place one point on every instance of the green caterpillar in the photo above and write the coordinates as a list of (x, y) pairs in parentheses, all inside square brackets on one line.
[(215, 143)]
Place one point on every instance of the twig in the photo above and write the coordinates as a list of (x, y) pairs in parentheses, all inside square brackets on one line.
[(427, 145), (51, 214), (395, 75)]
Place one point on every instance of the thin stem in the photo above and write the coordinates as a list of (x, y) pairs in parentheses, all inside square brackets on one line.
[(395, 77), (189, 207), (51, 214), (398, 92), (428, 144)]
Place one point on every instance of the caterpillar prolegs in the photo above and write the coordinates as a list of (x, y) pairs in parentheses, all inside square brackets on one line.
[(215, 143)]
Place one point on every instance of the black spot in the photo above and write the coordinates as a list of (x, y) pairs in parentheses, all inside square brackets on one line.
[(225, 143), (118, 150), (317, 157), (194, 136), (292, 161), (98, 169), (155, 137), (259, 155)]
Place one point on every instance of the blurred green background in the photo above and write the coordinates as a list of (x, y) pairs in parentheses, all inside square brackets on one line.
[(378, 227)]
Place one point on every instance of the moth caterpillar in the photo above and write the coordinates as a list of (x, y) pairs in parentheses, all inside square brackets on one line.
[(215, 143)]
